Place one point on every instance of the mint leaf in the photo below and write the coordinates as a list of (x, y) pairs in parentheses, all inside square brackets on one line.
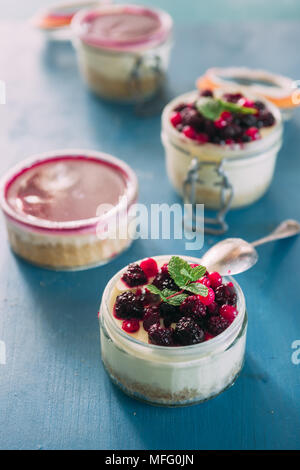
[(177, 299), (210, 108), (179, 270), (168, 292), (235, 108), (198, 272), (197, 288)]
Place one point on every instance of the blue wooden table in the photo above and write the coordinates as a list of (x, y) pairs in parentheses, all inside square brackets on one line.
[(54, 392)]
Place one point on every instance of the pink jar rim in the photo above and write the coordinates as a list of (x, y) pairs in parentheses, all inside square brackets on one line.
[(68, 227), (156, 38)]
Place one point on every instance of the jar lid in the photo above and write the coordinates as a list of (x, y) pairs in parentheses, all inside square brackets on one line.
[(60, 15), (280, 90), (122, 27), (67, 190)]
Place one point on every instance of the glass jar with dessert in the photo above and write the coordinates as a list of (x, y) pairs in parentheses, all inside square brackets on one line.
[(221, 149), (58, 205), (172, 333), (123, 50)]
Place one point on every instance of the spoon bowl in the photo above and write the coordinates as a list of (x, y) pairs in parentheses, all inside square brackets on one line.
[(230, 256), (235, 255)]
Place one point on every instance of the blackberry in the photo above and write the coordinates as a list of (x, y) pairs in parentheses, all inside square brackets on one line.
[(217, 325), (134, 276), (192, 307), (248, 120), (147, 298), (267, 118), (163, 280), (259, 105), (232, 131), (128, 305), (188, 332), (151, 317), (206, 93), (180, 107), (246, 138), (160, 336), (232, 97), (169, 313), (225, 294), (191, 117)]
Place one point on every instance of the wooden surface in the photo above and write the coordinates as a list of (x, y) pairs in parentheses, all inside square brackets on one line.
[(54, 392)]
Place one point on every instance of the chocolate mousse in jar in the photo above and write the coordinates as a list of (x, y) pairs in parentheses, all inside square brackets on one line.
[(58, 208), (221, 148), (123, 50)]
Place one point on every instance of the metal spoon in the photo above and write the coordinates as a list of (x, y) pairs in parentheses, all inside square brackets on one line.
[(235, 255)]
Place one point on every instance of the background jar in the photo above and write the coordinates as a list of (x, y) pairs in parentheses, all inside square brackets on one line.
[(247, 170), (123, 71), (172, 376), (73, 244)]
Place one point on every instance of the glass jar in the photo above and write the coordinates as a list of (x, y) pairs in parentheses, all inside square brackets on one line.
[(68, 244), (172, 376), (220, 176), (127, 71), (54, 21)]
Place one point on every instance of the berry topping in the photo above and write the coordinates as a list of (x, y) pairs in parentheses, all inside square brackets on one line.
[(205, 281), (217, 324), (193, 307), (176, 118), (215, 279), (128, 305), (189, 132), (160, 336), (188, 332), (252, 132), (206, 93), (229, 312), (222, 121), (134, 276), (151, 317), (225, 294), (232, 97), (209, 298), (164, 281), (169, 313), (182, 304), (213, 309), (208, 336), (149, 266), (202, 138), (131, 326)]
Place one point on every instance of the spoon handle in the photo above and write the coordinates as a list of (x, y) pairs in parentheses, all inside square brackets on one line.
[(286, 229)]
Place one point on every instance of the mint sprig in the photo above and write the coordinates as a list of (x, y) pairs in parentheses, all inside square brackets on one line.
[(185, 278), (211, 108)]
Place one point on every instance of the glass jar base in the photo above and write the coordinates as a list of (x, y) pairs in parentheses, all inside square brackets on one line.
[(180, 404)]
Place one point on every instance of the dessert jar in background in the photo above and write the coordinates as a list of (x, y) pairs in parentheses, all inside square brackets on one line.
[(280, 90), (171, 375), (227, 176), (58, 205), (54, 21), (123, 50)]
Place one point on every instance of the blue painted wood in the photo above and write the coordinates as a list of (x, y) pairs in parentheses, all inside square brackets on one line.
[(54, 392)]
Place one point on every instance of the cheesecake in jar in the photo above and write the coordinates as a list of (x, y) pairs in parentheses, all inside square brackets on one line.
[(171, 333), (58, 207), (223, 141), (123, 50)]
